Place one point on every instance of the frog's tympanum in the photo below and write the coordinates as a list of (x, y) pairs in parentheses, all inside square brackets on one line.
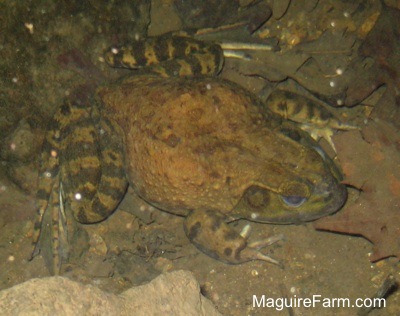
[(188, 143)]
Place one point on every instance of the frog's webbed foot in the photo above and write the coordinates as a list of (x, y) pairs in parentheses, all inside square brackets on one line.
[(239, 50), (50, 232), (57, 230), (209, 231), (252, 250), (316, 118)]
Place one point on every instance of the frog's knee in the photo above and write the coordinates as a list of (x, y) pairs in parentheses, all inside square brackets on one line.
[(209, 232)]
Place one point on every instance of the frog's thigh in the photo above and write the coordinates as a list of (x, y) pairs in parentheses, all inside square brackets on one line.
[(93, 172), (209, 232)]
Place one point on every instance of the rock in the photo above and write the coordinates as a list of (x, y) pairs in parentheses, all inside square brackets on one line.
[(172, 293)]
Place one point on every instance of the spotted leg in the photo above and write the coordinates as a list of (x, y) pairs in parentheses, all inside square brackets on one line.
[(48, 177), (168, 55), (209, 231), (81, 168), (92, 170)]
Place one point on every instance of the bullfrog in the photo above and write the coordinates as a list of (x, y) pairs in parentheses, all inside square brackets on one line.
[(187, 142)]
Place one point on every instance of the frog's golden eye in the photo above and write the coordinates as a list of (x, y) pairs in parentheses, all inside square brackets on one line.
[(293, 200), (294, 194)]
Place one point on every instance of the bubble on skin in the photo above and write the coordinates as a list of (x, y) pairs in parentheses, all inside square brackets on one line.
[(53, 153), (332, 83), (29, 26), (254, 215), (13, 146), (102, 131), (11, 258), (208, 86), (333, 23), (339, 71), (114, 50), (3, 188), (339, 102), (14, 80), (78, 196), (47, 174)]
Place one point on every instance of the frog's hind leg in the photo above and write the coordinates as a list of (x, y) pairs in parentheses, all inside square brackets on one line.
[(209, 231), (48, 177), (169, 56), (92, 174), (49, 195)]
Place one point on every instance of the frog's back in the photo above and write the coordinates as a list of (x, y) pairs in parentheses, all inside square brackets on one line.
[(181, 138)]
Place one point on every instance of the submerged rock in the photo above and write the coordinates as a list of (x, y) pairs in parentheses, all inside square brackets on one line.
[(172, 293)]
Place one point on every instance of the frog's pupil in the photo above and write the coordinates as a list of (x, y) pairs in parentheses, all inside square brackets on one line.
[(294, 200)]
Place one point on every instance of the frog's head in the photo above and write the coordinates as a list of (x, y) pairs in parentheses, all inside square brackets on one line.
[(301, 186)]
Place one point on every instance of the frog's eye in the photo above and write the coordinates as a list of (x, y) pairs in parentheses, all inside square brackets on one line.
[(294, 193), (293, 200)]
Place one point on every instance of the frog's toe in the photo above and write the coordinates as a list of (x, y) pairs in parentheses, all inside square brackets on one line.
[(210, 233), (252, 250)]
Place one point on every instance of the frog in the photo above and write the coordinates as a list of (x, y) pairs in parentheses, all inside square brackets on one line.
[(189, 143)]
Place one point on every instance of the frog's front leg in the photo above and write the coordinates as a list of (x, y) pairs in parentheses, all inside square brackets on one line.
[(209, 232)]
